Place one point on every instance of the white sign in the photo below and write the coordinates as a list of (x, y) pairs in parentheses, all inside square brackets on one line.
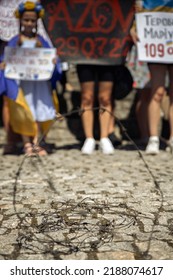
[(155, 32), (29, 63), (9, 25)]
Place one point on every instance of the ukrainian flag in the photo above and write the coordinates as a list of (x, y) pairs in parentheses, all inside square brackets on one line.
[(169, 43), (21, 119), (166, 5)]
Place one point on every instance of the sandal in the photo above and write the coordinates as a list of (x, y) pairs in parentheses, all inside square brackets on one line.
[(28, 149), (40, 151)]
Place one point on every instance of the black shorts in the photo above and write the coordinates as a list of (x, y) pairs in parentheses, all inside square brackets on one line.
[(92, 73)]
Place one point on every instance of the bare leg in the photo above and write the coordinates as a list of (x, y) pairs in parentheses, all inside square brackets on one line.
[(111, 125), (105, 92), (35, 139), (171, 100), (142, 112), (87, 100), (27, 144), (112, 118), (39, 149), (158, 73)]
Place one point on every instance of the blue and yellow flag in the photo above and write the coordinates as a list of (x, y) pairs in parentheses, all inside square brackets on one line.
[(158, 4), (21, 119)]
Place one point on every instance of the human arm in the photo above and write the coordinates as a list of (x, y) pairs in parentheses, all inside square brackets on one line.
[(133, 31), (133, 34), (2, 65)]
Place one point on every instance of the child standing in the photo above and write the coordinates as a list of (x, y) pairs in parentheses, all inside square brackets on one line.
[(34, 107)]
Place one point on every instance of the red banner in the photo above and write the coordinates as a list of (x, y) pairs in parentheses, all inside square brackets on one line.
[(90, 31)]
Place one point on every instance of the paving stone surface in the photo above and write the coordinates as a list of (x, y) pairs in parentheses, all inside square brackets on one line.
[(71, 206)]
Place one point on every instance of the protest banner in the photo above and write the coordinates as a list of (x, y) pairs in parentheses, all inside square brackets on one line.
[(90, 31), (155, 32), (29, 63), (8, 23)]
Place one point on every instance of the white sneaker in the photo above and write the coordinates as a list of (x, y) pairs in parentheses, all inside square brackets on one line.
[(106, 146), (88, 146), (153, 145)]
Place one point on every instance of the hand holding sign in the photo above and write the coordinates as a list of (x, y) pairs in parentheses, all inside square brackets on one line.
[(29, 64), (2, 65), (156, 37)]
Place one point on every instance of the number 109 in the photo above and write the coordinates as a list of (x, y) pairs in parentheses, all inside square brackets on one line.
[(153, 50)]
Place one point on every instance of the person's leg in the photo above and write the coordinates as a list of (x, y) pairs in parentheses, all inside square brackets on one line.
[(31, 145), (106, 78), (105, 92), (111, 129), (141, 111), (111, 124), (86, 74), (41, 151), (87, 99), (66, 86), (106, 119), (11, 138), (170, 69), (27, 145), (158, 73)]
